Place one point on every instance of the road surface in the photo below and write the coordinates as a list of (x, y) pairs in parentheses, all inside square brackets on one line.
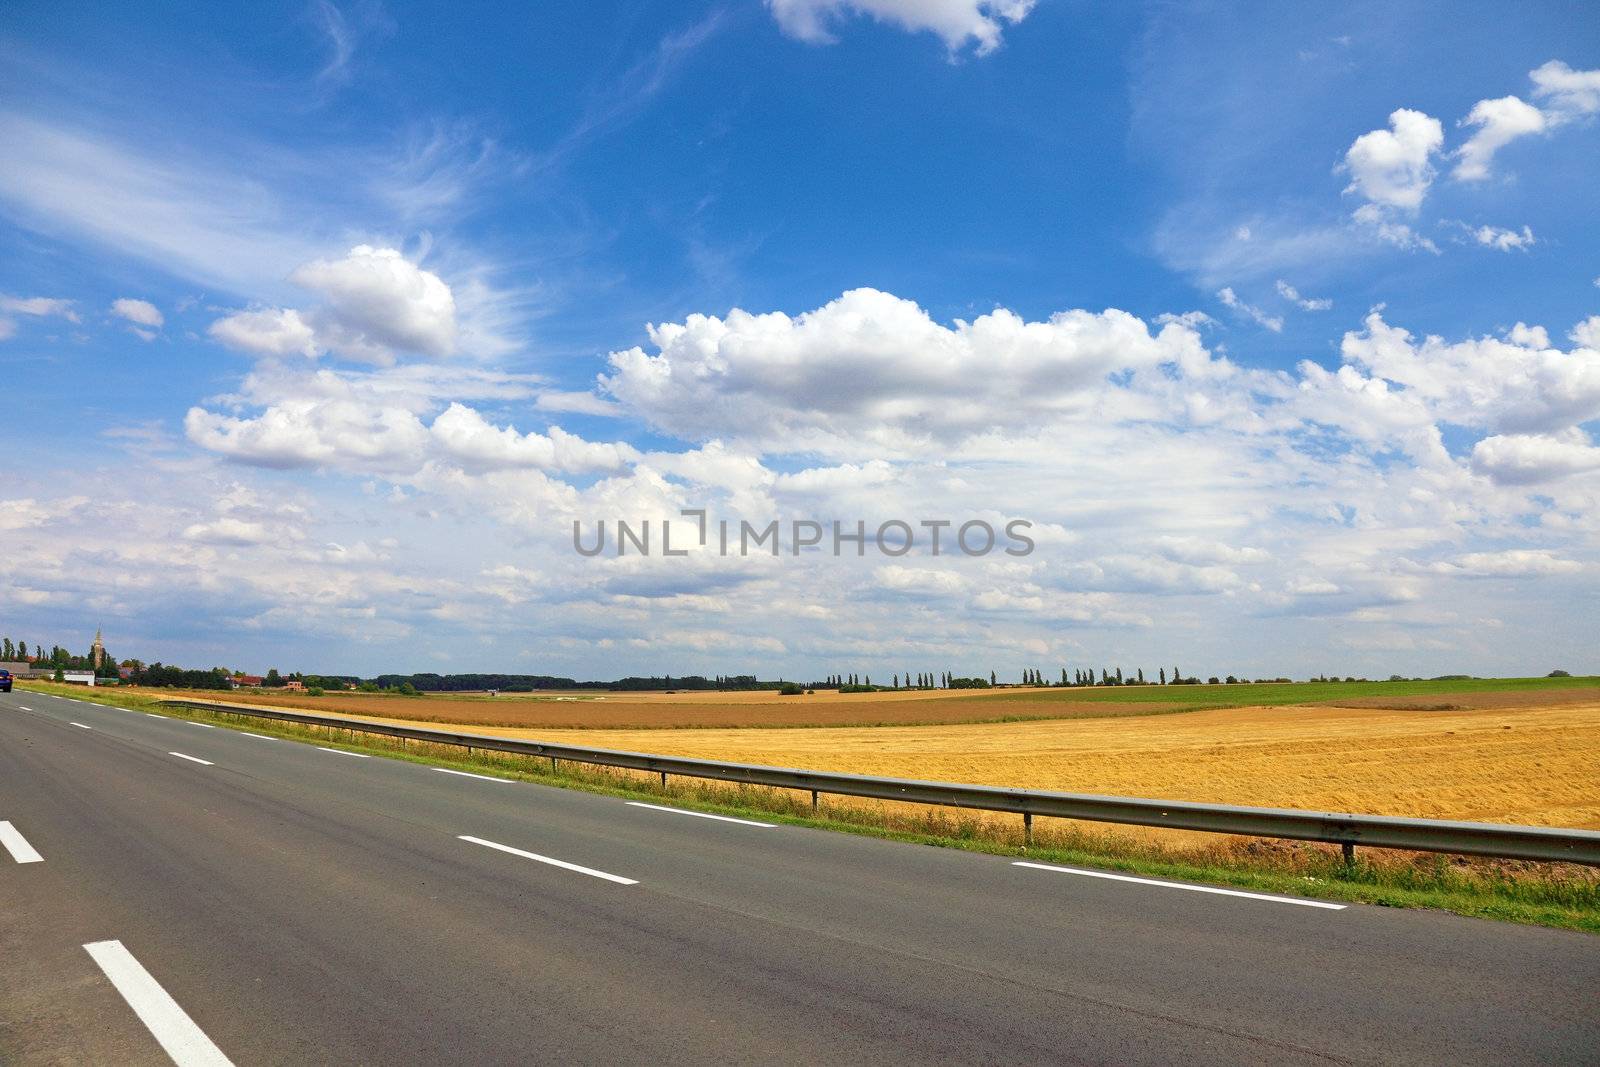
[(172, 892)]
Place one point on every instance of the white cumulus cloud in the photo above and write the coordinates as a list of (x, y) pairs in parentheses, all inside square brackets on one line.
[(1498, 122), (873, 366), (1531, 459), (1498, 237), (139, 312), (1487, 383), (469, 439), (267, 332), (376, 299), (1569, 94), (376, 303), (956, 22), (1393, 167), (38, 306), (1515, 563)]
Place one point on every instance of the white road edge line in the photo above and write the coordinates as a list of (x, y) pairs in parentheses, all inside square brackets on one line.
[(207, 725), (552, 862), (469, 774), (169, 1024), (1183, 885), (700, 814), (21, 708), (263, 737), (79, 725), (18, 845), (193, 759), (153, 715), (342, 752)]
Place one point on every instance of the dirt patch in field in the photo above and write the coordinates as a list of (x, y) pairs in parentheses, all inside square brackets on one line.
[(660, 711), (1468, 701)]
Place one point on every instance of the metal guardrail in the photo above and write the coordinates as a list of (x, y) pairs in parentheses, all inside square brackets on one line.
[(1375, 831)]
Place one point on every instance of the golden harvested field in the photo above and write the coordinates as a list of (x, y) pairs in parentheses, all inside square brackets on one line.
[(1529, 754), (1527, 764)]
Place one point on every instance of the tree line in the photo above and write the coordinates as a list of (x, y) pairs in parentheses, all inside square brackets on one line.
[(57, 658), (60, 659)]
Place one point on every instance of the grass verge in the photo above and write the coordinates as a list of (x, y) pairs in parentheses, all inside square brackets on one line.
[(1545, 894)]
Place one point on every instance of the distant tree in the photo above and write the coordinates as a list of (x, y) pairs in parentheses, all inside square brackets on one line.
[(1141, 675), (1176, 677), (273, 680), (1558, 674), (790, 689), (1119, 675), (60, 675), (992, 679), (1163, 676)]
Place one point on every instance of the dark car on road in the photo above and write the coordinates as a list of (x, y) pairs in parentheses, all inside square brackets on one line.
[(5, 681)]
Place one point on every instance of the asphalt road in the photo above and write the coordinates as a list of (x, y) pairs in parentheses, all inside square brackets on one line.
[(296, 905)]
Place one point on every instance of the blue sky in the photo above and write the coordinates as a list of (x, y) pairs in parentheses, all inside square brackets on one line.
[(323, 320)]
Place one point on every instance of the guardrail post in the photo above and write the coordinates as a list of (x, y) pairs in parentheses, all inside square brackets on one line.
[(1027, 829), (1349, 850), (813, 802), (663, 779)]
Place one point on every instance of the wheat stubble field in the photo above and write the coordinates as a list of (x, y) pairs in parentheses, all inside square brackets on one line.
[(1531, 764), (1525, 751)]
